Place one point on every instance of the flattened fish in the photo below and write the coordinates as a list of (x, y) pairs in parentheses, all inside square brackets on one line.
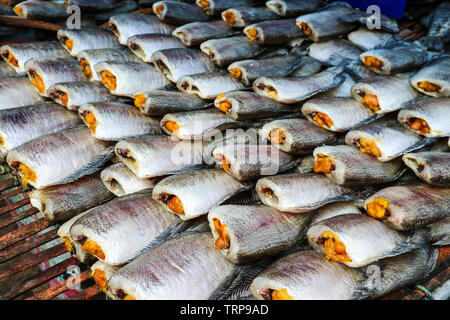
[(59, 158), (178, 13), (194, 33), (75, 41), (335, 209), (59, 203), (41, 10), (334, 52), (432, 167), (293, 8), (145, 45), (17, 92), (368, 39), (440, 232), (439, 27), (273, 31), (434, 79), (101, 272), (244, 16), (215, 7)]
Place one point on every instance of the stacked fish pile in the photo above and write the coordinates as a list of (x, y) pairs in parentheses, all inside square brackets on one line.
[(244, 151)]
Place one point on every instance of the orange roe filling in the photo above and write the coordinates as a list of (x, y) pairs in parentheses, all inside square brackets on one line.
[(306, 29), (323, 120), (204, 3), (373, 62), (172, 126), (420, 125), (323, 164), (252, 34), (271, 91), (69, 44), (86, 68), (128, 297), (18, 10), (12, 60), (38, 83), (68, 244), (276, 136), (223, 241), (377, 208), (159, 8), (224, 106), (334, 249), (236, 73), (139, 100), (93, 248), (90, 121), (100, 278), (28, 174), (229, 17), (428, 86), (109, 80), (65, 99), (175, 205), (369, 146), (371, 101), (281, 294)]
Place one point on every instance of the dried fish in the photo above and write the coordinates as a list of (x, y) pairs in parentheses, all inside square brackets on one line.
[(244, 16), (432, 167), (409, 207), (368, 39), (293, 90), (117, 231), (128, 25), (101, 272), (346, 165), (89, 58), (364, 18), (44, 73), (145, 45), (439, 27), (125, 78), (209, 85), (7, 71), (194, 33), (63, 202), (440, 232), (59, 158), (293, 8), (337, 114), (297, 136), (179, 193), (178, 13), (17, 92), (215, 7), (273, 31), (357, 240), (427, 116), (75, 41), (41, 10), (246, 233), (334, 52), (179, 62), (16, 54), (228, 50), (94, 6), (434, 79), (149, 157), (307, 66), (335, 209), (341, 91), (121, 181)]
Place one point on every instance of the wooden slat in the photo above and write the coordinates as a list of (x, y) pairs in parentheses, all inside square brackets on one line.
[(86, 294), (6, 184), (11, 193), (14, 206), (17, 22), (19, 216), (22, 233)]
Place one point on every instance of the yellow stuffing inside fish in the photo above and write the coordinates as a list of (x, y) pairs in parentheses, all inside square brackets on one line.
[(65, 98), (100, 278), (428, 86), (223, 241), (281, 294), (175, 205), (69, 44), (225, 165), (236, 73), (334, 249), (27, 174), (139, 100), (229, 17), (90, 121), (371, 101), (377, 208), (38, 83), (128, 297), (67, 244), (322, 119), (369, 146), (276, 136), (93, 248), (420, 125), (172, 126), (306, 28), (224, 106), (252, 34), (18, 10), (86, 68), (271, 91), (109, 80), (323, 164), (11, 59), (159, 8), (204, 3), (2, 141), (373, 62)]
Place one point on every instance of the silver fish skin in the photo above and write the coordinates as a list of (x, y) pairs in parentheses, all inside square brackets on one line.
[(209, 85), (344, 113), (248, 71), (156, 274), (114, 121), (179, 62), (293, 90), (440, 232), (432, 167), (149, 157), (41, 10), (346, 165), (409, 207), (17, 92), (16, 54), (391, 93), (122, 228), (71, 245), (20, 125), (334, 52), (89, 58), (247, 161), (63, 202), (253, 232), (45, 72), (335, 209), (240, 17), (293, 8), (121, 181), (228, 50), (394, 60), (47, 157), (74, 94), (179, 193), (130, 77), (75, 41), (7, 71), (306, 275), (215, 7), (300, 192), (341, 91), (194, 33), (273, 31), (178, 13), (128, 25), (101, 271), (439, 28), (326, 24), (244, 105), (367, 39), (433, 111), (296, 136), (145, 45), (434, 79), (161, 102), (94, 6), (307, 66), (385, 139), (196, 125), (365, 239)]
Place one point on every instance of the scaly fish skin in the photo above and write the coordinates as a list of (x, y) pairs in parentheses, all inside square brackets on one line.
[(178, 13), (195, 33), (293, 8), (17, 92), (244, 16), (273, 31), (145, 45), (434, 79), (75, 41), (432, 167)]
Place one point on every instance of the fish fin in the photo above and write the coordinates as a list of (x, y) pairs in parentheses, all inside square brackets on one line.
[(442, 242), (249, 197), (92, 167), (414, 240), (356, 69), (339, 78), (238, 282), (432, 42)]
